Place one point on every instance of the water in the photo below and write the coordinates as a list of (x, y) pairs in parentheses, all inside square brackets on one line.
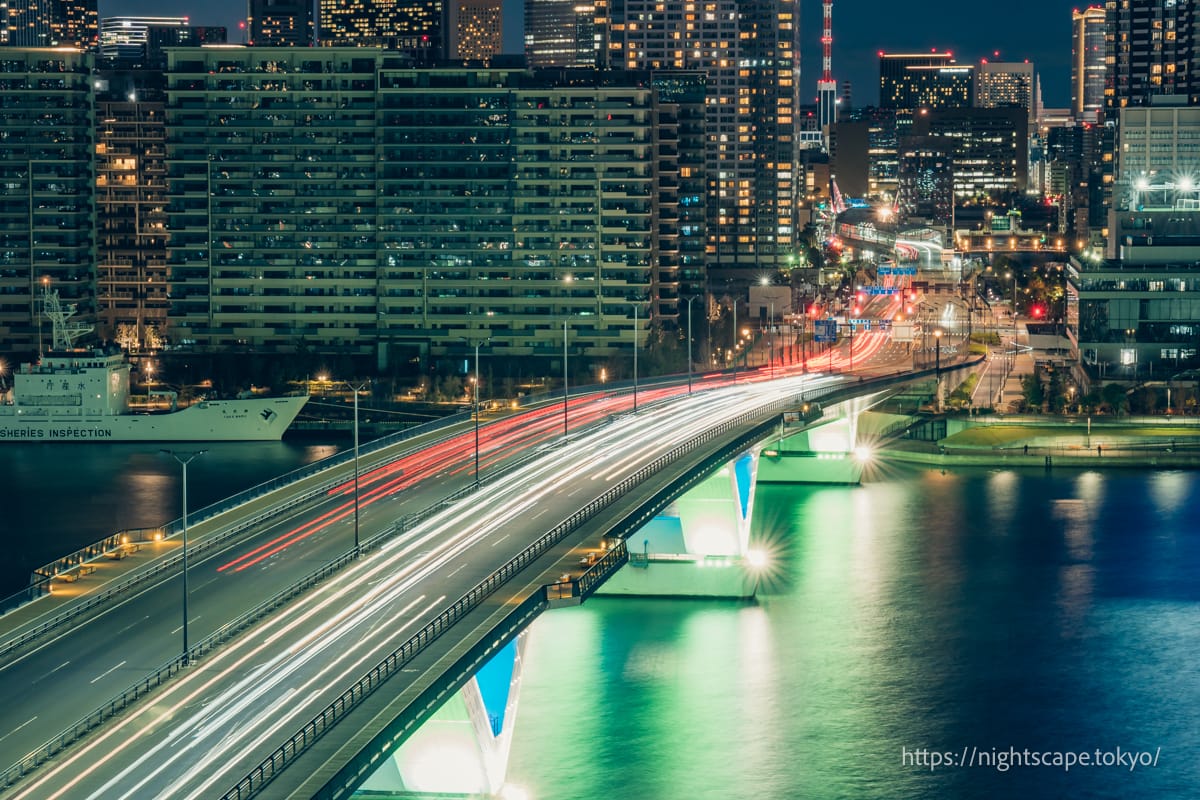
[(994, 610), (61, 497)]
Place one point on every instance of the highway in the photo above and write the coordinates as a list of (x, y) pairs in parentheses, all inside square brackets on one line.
[(210, 725), (47, 689)]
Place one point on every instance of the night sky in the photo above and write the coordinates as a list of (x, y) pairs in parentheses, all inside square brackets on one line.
[(1038, 30)]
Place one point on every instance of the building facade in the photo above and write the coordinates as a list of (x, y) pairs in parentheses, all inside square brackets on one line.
[(562, 33), (47, 195), (335, 199), (1087, 63), (281, 23), (991, 153), (476, 30), (414, 27), (925, 80), (750, 53), (1152, 47)]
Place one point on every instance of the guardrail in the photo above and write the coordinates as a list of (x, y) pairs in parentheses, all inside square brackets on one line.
[(40, 578), (271, 766), (309, 733), (226, 632)]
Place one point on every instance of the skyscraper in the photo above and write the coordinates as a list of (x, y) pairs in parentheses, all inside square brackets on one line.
[(476, 29), (281, 23), (48, 23), (561, 33), (750, 52), (1000, 84), (924, 80), (1152, 48), (1087, 62), (415, 27)]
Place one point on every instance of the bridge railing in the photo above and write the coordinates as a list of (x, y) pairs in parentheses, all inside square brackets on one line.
[(269, 767), (40, 578), (308, 734)]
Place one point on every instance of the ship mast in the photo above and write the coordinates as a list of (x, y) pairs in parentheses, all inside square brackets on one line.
[(63, 333)]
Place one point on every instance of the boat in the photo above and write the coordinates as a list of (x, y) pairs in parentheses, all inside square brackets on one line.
[(80, 395)]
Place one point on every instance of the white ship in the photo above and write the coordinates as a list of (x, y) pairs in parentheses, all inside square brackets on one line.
[(75, 395)]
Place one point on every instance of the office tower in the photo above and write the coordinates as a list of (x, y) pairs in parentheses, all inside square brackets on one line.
[(1087, 63), (75, 23), (750, 53), (926, 179), (26, 23), (140, 41), (131, 198), (1159, 154), (1153, 48), (47, 214), (561, 33), (1000, 84), (280, 23), (924, 80), (413, 27), (476, 29), (991, 149)]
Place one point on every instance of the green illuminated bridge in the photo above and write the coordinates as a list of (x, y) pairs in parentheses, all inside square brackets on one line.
[(314, 670)]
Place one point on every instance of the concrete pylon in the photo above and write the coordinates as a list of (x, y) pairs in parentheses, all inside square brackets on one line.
[(463, 748), (698, 546)]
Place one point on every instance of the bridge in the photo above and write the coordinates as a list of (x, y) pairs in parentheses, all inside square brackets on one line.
[(295, 632)]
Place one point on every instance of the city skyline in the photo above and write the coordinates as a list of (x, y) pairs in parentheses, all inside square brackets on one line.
[(943, 26)]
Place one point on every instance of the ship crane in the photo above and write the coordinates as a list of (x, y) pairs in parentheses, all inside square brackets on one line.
[(63, 332)]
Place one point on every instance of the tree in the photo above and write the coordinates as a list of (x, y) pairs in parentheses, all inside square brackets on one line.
[(127, 337), (1032, 389), (1115, 397)]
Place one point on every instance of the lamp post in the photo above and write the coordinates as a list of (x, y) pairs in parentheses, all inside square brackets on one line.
[(356, 390), (937, 348), (635, 349), (689, 340), (771, 341), (565, 391), (477, 344), (185, 458), (735, 339)]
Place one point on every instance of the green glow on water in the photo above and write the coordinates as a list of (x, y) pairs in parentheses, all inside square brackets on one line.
[(990, 609)]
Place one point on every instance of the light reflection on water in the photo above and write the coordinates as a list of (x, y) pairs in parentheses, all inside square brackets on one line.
[(61, 497), (987, 609)]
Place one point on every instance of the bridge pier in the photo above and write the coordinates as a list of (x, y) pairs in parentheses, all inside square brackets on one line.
[(463, 748), (699, 546)]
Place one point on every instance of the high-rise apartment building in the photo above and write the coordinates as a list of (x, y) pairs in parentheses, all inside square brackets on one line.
[(562, 33), (47, 211), (281, 23), (750, 53), (338, 200), (1152, 48), (1087, 63), (924, 80), (414, 27), (131, 199), (476, 29)]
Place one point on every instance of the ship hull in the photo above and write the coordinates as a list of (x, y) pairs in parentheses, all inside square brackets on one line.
[(253, 419)]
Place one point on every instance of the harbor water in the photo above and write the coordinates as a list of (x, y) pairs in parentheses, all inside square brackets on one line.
[(982, 615)]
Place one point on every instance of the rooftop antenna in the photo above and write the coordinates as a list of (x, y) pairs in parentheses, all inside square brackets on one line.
[(827, 86)]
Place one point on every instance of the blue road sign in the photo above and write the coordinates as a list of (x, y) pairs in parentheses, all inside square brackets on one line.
[(825, 330)]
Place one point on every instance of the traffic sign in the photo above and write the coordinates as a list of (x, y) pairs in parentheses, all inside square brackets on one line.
[(824, 330)]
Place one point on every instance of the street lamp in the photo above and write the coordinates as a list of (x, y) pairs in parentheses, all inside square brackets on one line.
[(184, 458), (565, 388), (635, 349), (356, 390), (689, 340), (477, 344), (937, 347)]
